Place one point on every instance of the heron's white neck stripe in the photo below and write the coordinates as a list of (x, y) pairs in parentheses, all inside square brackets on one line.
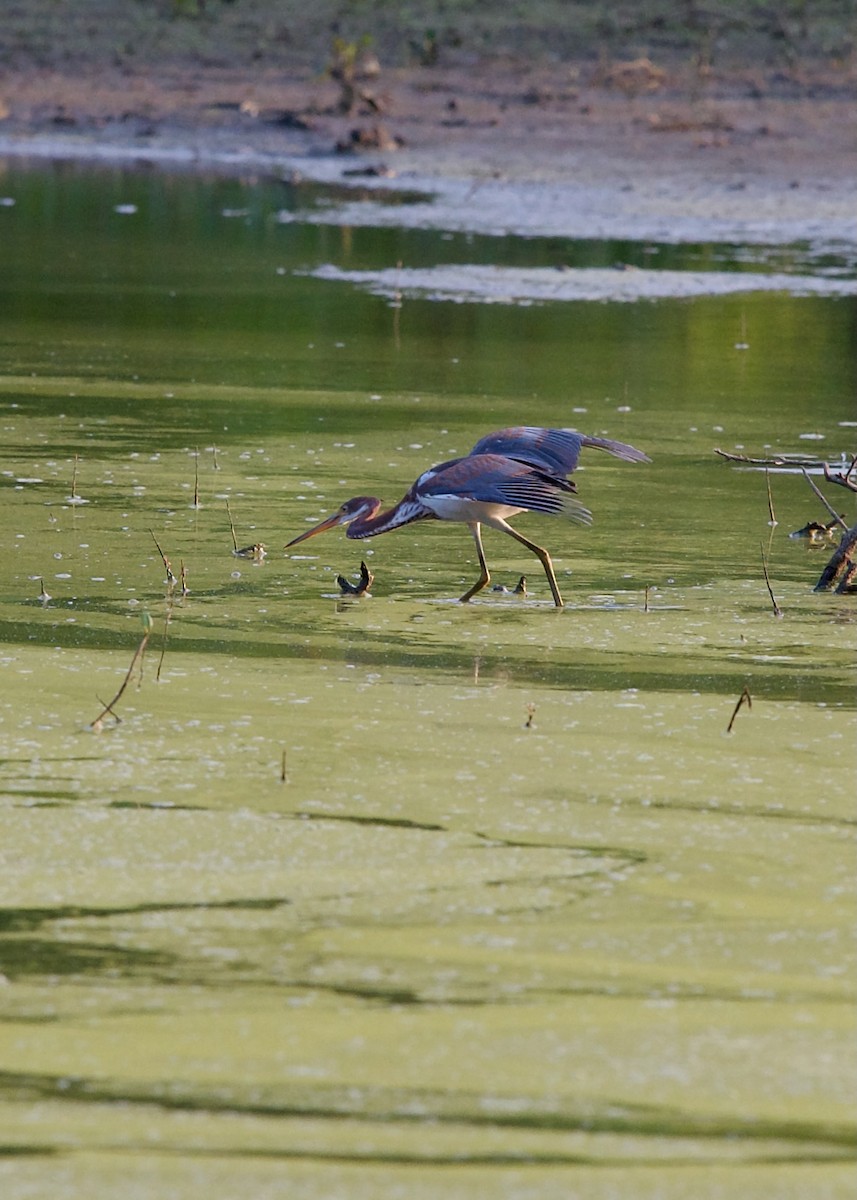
[(402, 514)]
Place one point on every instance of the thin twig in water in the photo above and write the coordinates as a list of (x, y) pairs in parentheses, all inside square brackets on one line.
[(171, 579), (232, 528), (284, 778), (744, 698), (773, 520), (167, 618), (646, 599), (531, 712), (108, 709), (196, 503), (778, 612), (138, 657)]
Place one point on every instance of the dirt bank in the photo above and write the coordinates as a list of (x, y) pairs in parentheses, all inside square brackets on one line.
[(553, 148)]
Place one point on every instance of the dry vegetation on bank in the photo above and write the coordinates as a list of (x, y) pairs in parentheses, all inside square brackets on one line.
[(787, 37)]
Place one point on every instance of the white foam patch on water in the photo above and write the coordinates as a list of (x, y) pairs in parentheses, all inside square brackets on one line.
[(528, 285)]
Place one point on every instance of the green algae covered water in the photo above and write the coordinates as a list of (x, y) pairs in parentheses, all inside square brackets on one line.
[(394, 896)]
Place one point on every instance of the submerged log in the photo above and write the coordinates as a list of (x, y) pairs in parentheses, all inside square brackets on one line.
[(841, 568)]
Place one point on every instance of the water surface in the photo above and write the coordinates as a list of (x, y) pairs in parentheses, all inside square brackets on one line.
[(397, 896)]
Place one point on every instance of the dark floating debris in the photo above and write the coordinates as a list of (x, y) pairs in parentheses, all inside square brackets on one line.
[(356, 589), (815, 531), (375, 137), (381, 171), (520, 588), (257, 552)]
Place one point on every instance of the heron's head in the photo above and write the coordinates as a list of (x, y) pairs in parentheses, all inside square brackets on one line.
[(358, 506)]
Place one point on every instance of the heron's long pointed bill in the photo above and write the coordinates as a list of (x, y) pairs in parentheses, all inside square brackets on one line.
[(327, 523)]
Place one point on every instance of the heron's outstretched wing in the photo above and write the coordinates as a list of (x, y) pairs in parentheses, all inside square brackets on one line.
[(494, 479), (554, 450)]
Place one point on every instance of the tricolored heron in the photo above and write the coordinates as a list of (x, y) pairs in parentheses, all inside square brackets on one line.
[(505, 473)]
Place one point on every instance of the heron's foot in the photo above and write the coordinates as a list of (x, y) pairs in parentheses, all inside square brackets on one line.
[(477, 587)]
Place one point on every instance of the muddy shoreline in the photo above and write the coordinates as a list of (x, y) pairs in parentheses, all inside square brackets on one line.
[(499, 151)]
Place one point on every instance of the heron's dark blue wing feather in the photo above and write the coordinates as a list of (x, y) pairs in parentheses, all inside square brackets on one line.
[(495, 479), (554, 450), (538, 493)]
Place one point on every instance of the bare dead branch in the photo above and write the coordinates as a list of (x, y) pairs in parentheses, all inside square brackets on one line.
[(841, 571), (138, 657), (780, 460), (836, 516), (744, 698), (843, 478)]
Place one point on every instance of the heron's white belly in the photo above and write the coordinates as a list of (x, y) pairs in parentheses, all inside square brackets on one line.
[(456, 508)]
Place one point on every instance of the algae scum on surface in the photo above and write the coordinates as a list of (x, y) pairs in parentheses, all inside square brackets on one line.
[(389, 894)]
